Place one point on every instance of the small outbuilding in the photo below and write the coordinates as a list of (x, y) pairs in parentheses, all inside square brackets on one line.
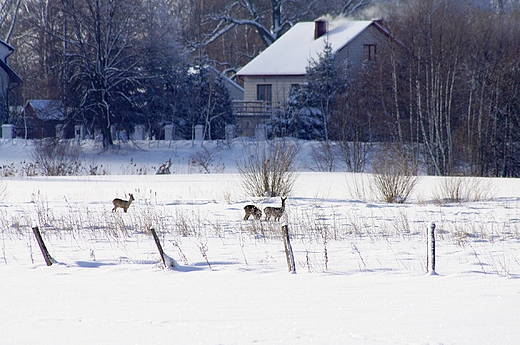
[(43, 118)]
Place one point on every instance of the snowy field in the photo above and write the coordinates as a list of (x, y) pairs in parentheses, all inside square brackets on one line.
[(361, 272)]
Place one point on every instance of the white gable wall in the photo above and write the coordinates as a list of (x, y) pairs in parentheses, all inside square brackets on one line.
[(354, 52), (281, 85)]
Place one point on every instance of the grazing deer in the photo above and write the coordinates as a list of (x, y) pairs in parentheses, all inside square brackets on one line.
[(252, 210), (275, 212), (124, 204)]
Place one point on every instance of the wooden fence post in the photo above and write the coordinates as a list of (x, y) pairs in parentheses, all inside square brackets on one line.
[(164, 257), (46, 256), (431, 250), (288, 249)]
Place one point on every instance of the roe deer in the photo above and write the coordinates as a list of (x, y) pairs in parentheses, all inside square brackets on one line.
[(252, 210), (275, 212), (124, 204)]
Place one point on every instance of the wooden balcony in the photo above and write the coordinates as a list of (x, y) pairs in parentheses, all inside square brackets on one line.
[(251, 114), (253, 108)]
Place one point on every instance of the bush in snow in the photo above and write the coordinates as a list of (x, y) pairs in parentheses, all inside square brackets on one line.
[(324, 155), (203, 161), (459, 189), (54, 157), (394, 174), (268, 168)]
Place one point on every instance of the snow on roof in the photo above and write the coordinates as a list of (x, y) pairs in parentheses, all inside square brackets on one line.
[(10, 47), (291, 53), (47, 109)]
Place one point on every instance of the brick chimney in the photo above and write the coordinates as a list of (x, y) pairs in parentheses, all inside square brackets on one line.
[(320, 28)]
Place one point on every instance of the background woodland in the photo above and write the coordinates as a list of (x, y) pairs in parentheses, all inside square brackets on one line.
[(445, 91)]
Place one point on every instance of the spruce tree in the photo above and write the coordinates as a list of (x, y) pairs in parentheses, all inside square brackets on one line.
[(308, 111)]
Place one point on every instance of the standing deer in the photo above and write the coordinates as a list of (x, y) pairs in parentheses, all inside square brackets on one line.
[(275, 212), (124, 204), (252, 210)]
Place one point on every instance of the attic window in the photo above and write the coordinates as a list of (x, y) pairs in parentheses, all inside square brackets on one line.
[(370, 51), (264, 92)]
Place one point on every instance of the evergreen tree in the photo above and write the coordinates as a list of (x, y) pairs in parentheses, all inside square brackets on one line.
[(210, 102), (310, 107)]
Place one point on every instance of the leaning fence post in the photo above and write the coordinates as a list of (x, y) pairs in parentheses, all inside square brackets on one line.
[(288, 249), (166, 260), (431, 250), (46, 256)]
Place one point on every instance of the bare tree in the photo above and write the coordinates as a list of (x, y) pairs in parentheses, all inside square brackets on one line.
[(434, 33), (211, 103), (102, 45), (450, 87), (8, 17), (252, 13), (352, 7), (38, 48), (499, 125)]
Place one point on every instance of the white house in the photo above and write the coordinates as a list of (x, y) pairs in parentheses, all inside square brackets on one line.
[(269, 77)]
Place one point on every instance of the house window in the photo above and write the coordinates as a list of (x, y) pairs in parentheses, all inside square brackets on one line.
[(264, 92), (370, 52)]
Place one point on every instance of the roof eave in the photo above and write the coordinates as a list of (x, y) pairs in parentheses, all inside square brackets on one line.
[(13, 77), (10, 47), (272, 75)]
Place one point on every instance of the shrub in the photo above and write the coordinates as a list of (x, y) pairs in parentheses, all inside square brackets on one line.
[(54, 157), (460, 189), (394, 174), (353, 154), (268, 168), (203, 161), (324, 156)]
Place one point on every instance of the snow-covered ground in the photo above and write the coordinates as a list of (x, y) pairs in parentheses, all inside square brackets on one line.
[(361, 264)]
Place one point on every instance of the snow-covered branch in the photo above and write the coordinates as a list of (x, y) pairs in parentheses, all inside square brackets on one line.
[(352, 6)]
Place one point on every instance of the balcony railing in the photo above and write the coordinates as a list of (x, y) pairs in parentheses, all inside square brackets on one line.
[(253, 108), (251, 116)]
